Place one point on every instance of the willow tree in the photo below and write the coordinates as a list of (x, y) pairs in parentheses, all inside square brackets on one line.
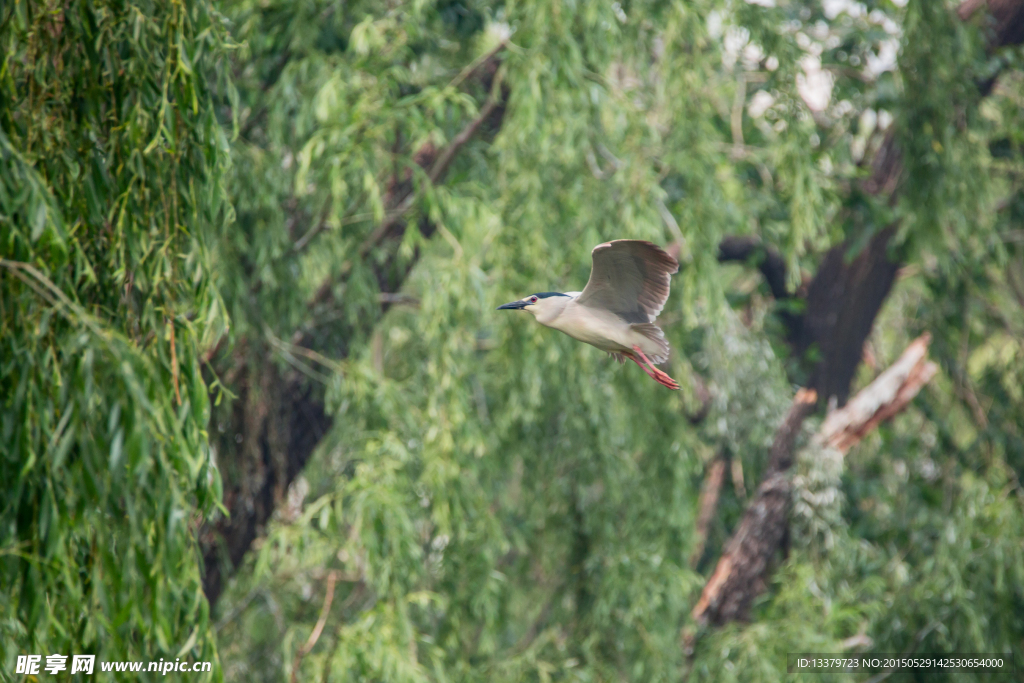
[(111, 160), (418, 489), (423, 490)]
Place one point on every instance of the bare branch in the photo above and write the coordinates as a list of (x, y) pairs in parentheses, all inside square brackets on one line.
[(406, 197), (444, 160), (398, 299), (437, 170), (768, 261), (707, 506), (332, 579), (739, 575), (475, 65)]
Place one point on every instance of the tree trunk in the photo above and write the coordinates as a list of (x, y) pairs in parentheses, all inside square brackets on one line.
[(842, 302)]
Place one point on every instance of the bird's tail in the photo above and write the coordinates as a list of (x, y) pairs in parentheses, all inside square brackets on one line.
[(659, 348)]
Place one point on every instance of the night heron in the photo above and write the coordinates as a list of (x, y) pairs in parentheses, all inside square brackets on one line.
[(615, 312)]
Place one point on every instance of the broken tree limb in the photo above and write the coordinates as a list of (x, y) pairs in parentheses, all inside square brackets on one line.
[(741, 573), (883, 398)]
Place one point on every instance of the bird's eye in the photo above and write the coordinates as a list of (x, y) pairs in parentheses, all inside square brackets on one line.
[(533, 299)]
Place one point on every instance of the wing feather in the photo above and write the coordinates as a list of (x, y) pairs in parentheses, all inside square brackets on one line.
[(630, 278)]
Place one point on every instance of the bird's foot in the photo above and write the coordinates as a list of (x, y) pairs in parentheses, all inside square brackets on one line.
[(658, 376), (664, 380), (654, 373)]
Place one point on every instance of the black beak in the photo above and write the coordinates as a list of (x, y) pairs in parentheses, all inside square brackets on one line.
[(514, 305)]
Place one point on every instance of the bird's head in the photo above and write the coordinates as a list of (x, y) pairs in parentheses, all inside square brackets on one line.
[(539, 303)]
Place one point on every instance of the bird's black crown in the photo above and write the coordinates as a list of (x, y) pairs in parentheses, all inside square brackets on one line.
[(545, 295)]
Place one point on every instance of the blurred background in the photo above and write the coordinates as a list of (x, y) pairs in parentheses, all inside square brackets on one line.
[(257, 408)]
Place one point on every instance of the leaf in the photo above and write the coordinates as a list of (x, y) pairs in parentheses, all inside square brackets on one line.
[(38, 221)]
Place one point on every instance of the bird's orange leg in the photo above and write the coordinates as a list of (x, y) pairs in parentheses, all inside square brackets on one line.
[(654, 373), (642, 366)]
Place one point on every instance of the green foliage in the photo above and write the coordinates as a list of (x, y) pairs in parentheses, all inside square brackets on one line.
[(334, 101), (496, 501), (947, 193), (502, 503), (110, 165)]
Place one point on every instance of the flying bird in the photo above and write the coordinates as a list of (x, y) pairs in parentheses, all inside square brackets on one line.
[(628, 287)]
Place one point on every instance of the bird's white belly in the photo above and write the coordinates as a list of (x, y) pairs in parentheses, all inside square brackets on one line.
[(604, 330)]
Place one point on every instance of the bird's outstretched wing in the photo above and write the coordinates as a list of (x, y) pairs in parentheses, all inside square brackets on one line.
[(630, 278)]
